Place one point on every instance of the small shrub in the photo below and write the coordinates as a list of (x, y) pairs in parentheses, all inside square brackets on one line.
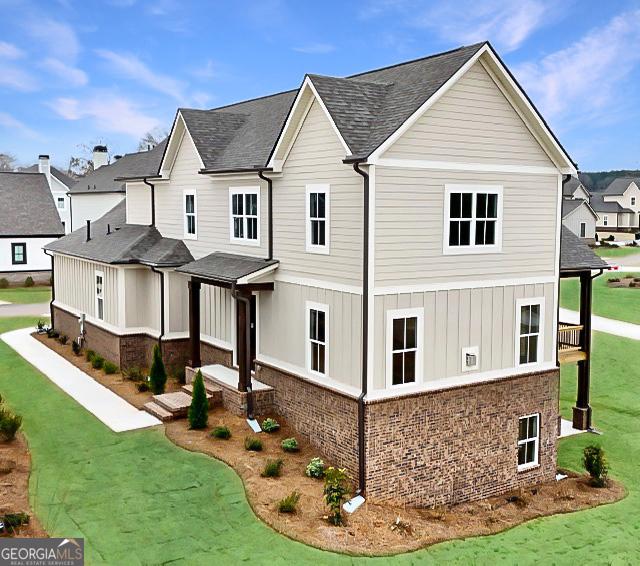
[(109, 367), (253, 444), (13, 521), (97, 362), (315, 468), (613, 280), (75, 346), (335, 493), (89, 355), (40, 327), (134, 373), (157, 374), (142, 386), (289, 503), (272, 469), (221, 432), (180, 375), (270, 425), (63, 339), (4, 283), (28, 282), (53, 333), (10, 423), (199, 409), (290, 445), (595, 462)]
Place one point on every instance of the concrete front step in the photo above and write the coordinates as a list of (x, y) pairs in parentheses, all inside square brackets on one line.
[(214, 394), (158, 411), (176, 403)]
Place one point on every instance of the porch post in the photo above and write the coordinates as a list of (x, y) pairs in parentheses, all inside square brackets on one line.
[(194, 323), (243, 347), (582, 410)]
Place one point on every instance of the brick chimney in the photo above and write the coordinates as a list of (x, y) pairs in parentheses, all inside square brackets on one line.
[(100, 156)]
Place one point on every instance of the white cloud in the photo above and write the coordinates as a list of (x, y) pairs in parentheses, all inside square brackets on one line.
[(315, 48), (111, 113), (583, 80), (132, 68), (207, 71), (58, 38), (72, 76), (16, 126), (16, 78), (10, 51)]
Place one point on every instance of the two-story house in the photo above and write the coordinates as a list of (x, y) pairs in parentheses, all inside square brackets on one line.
[(577, 214), (356, 256), (618, 206)]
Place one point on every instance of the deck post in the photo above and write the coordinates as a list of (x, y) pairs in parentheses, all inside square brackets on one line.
[(582, 410), (194, 323), (243, 346)]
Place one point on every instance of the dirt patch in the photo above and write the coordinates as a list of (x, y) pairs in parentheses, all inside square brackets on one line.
[(15, 467), (628, 282), (373, 529), (121, 386)]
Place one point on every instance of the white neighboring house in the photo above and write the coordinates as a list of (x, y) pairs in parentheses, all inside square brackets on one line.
[(580, 218), (618, 207), (28, 221), (574, 189)]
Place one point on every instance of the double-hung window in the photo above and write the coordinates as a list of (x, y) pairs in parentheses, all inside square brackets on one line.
[(404, 346), (60, 202), (317, 218), (633, 201), (528, 441), (605, 220), (244, 222), (19, 253), (190, 215), (100, 295), (473, 219), (317, 334), (529, 324)]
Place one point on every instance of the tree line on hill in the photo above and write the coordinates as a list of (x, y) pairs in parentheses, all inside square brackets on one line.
[(598, 181)]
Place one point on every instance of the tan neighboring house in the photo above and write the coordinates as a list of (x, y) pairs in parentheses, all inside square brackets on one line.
[(618, 207), (574, 189), (577, 214), (355, 255)]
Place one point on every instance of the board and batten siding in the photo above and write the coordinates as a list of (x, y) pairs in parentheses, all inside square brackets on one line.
[(75, 286), (138, 204), (216, 313), (576, 217), (142, 298), (473, 122), (409, 227), (460, 318), (282, 331), (177, 292), (212, 203), (316, 158)]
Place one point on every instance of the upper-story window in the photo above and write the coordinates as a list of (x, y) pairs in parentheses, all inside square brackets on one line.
[(317, 218), (529, 325), (473, 219), (404, 346), (605, 220), (19, 253), (100, 295), (190, 205), (60, 203), (317, 331), (583, 229), (633, 201), (244, 209)]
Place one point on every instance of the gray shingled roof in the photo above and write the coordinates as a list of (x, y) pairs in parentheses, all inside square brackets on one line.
[(127, 243), (575, 255), (224, 267), (570, 186), (62, 177), (619, 186), (600, 205), (103, 179), (27, 207)]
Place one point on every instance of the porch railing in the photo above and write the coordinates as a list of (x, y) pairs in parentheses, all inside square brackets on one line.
[(569, 337)]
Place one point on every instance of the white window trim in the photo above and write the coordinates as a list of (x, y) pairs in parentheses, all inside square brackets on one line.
[(97, 274), (518, 318), (243, 191), (318, 188), (185, 193), (325, 309), (64, 203), (391, 316), (536, 460), (472, 248)]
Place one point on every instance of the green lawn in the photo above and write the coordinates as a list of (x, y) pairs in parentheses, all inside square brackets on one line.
[(610, 302), (24, 295), (138, 499), (606, 251)]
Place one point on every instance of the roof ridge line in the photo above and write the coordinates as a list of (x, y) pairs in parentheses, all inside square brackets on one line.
[(245, 101)]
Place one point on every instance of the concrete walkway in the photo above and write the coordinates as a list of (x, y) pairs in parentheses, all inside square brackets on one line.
[(15, 309), (108, 407), (608, 325), (566, 429)]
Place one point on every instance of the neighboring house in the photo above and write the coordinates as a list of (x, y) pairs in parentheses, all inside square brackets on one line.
[(580, 218), (59, 184), (28, 221), (98, 192), (355, 255), (574, 189), (618, 206)]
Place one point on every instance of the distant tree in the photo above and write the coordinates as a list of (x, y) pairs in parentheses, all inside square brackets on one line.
[(7, 162), (82, 163), (151, 139)]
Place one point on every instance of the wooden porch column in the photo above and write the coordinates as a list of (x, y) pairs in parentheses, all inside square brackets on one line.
[(582, 410), (243, 337), (194, 323)]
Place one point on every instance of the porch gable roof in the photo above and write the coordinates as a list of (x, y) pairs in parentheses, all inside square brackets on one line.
[(228, 268)]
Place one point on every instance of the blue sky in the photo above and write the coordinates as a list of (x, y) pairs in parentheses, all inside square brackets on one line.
[(76, 72)]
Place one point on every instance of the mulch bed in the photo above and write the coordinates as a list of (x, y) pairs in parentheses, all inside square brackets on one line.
[(15, 467), (631, 282)]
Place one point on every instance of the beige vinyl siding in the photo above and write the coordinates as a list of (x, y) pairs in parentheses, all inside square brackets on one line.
[(473, 122), (612, 220), (216, 313), (624, 200), (75, 286), (455, 319), (315, 158), (409, 227), (212, 202), (142, 300), (282, 329), (581, 214), (177, 291), (138, 204)]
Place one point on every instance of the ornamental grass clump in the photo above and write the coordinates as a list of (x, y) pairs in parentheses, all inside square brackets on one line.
[(97, 361), (335, 493), (109, 367), (221, 432), (289, 503), (270, 425), (158, 374), (315, 468), (272, 469), (199, 409), (595, 462), (10, 423), (252, 444)]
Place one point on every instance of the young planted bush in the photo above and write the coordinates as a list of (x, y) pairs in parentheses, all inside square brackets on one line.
[(199, 409), (75, 346), (28, 282), (134, 373), (270, 425), (40, 327), (142, 386), (89, 355), (63, 339), (53, 333), (10, 423), (290, 445), (252, 444), (289, 503), (97, 361), (4, 283), (315, 468), (335, 493), (109, 367), (13, 521), (595, 462), (158, 374), (221, 432), (272, 469)]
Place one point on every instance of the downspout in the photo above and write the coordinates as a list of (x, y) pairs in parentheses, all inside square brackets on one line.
[(161, 274), (247, 353), (153, 200), (70, 211), (53, 286), (270, 211), (365, 331)]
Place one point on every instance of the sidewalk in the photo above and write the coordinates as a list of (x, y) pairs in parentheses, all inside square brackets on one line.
[(108, 407), (32, 309), (608, 325)]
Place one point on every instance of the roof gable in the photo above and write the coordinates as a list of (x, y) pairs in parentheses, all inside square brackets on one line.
[(620, 186)]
